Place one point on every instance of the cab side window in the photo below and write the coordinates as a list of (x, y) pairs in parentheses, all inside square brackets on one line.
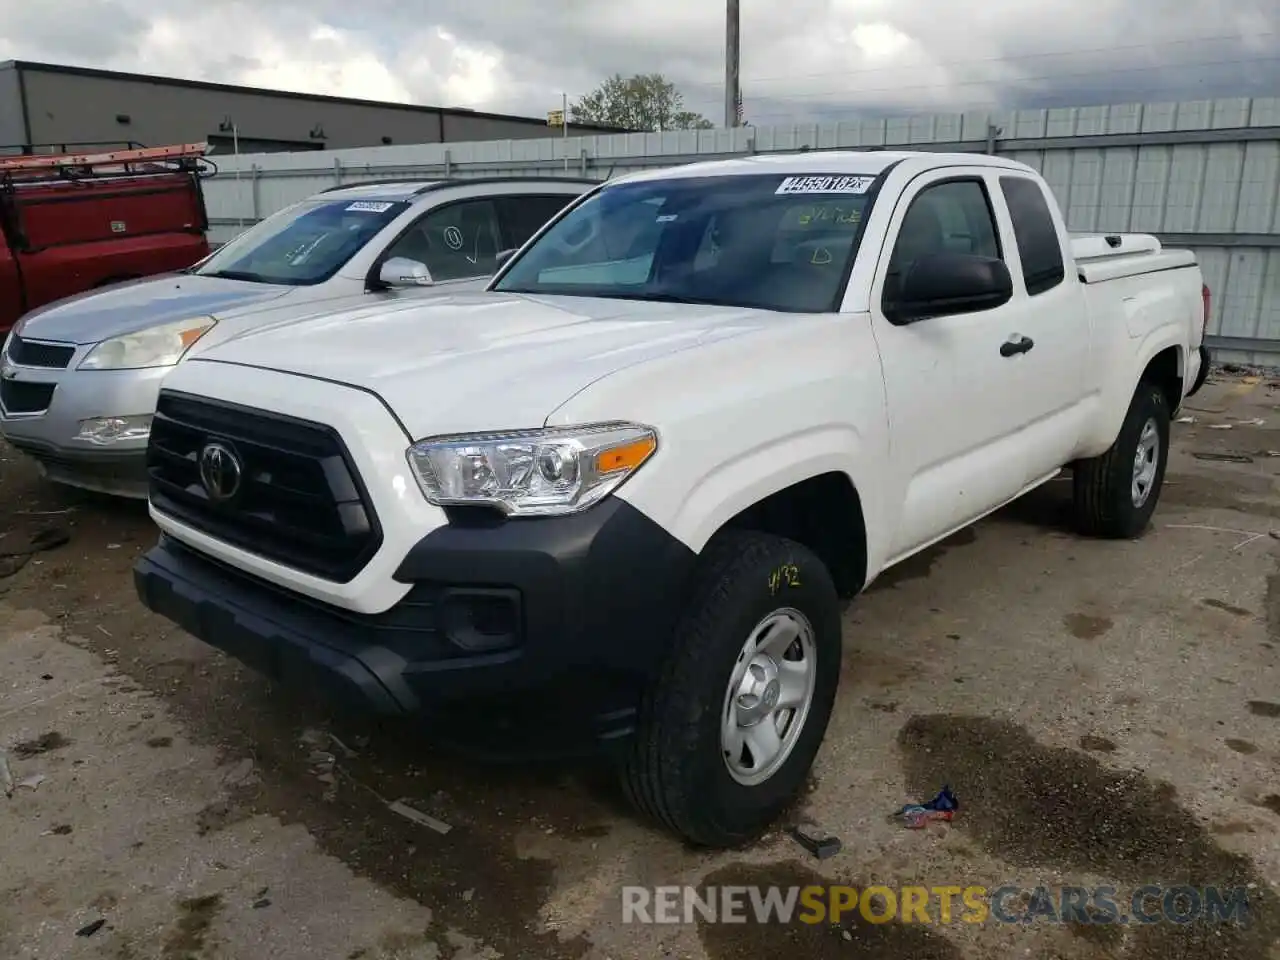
[(950, 217), (1039, 248), (456, 242)]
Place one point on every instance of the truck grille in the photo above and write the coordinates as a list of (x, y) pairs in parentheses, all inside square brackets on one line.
[(33, 353), (21, 397), (297, 499)]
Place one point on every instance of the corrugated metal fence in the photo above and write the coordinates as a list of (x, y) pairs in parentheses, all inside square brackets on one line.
[(1202, 174)]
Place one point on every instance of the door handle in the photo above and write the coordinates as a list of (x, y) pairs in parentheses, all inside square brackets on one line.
[(1015, 345)]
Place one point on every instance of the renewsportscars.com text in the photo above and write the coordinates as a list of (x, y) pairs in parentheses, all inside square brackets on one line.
[(935, 905)]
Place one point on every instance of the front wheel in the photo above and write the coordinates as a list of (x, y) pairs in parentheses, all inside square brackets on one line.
[(731, 727), (1116, 493)]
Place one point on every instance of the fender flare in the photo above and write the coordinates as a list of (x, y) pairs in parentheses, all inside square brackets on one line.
[(1115, 403), (731, 486)]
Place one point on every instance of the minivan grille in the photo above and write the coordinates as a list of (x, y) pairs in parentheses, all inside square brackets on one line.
[(19, 396), (292, 496), (33, 353)]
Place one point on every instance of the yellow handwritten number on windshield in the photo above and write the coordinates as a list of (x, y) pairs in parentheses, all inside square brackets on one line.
[(822, 214)]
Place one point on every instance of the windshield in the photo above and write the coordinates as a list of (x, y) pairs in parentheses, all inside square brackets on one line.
[(304, 244), (773, 242)]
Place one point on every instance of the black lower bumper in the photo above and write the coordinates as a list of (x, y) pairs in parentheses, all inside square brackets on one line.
[(570, 615), (123, 474)]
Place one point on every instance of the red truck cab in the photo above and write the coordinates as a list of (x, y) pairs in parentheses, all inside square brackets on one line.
[(73, 222)]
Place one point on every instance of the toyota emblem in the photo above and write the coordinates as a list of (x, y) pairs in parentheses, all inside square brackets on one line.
[(220, 471)]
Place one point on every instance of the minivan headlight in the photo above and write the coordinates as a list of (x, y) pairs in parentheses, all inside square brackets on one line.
[(546, 472), (161, 346)]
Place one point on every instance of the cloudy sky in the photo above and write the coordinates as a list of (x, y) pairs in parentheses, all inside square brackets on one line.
[(801, 60)]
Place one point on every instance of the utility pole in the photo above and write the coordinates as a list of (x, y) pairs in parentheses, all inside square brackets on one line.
[(235, 147), (732, 56)]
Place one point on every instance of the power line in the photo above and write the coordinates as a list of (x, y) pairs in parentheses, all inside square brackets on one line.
[(860, 89), (953, 84)]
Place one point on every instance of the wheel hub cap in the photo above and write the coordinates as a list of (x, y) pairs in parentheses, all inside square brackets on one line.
[(768, 696), (758, 691), (1146, 460)]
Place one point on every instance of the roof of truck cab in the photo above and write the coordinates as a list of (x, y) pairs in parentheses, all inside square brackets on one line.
[(408, 189), (868, 163)]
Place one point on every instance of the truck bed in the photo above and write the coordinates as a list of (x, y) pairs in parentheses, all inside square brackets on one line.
[(1101, 257)]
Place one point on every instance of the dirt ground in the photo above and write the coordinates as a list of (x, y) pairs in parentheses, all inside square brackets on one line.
[(1107, 713)]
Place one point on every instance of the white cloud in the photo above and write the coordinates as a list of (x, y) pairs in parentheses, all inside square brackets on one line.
[(881, 41), (331, 61)]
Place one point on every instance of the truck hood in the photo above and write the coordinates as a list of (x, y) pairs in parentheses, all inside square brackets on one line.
[(482, 361), (127, 307)]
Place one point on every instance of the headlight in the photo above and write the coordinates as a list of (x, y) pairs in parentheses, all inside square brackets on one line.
[(161, 346), (531, 472)]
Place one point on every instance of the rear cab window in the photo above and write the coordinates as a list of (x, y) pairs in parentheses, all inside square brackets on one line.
[(768, 241), (1039, 246)]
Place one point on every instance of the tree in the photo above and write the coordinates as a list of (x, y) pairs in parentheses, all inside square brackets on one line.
[(647, 101)]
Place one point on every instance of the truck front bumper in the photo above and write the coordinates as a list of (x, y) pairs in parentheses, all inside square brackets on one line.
[(547, 622)]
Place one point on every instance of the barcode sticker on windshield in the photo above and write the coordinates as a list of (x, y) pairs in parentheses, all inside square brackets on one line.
[(369, 206), (825, 185)]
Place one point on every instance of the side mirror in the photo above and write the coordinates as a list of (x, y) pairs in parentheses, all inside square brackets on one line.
[(943, 284), (502, 257), (403, 272)]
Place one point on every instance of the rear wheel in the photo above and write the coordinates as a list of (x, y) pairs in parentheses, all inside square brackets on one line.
[(1116, 493), (730, 729)]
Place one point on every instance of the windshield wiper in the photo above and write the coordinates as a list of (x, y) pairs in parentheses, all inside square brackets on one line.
[(652, 297), (669, 298), (239, 275)]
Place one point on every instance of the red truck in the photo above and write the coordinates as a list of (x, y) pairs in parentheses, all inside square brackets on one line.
[(73, 222)]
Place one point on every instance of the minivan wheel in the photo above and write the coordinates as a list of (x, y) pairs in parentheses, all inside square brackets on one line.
[(730, 728)]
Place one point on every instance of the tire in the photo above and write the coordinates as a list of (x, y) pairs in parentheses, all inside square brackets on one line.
[(1106, 504), (676, 771)]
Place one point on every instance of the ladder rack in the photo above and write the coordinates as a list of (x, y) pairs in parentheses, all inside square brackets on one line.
[(184, 156)]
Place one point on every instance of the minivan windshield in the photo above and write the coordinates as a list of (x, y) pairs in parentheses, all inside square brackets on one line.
[(769, 241), (304, 244)]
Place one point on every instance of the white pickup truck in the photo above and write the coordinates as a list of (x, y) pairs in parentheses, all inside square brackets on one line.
[(629, 483)]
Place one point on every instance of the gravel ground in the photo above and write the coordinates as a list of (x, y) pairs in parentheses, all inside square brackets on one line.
[(1108, 713)]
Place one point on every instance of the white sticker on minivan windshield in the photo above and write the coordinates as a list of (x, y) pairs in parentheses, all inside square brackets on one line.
[(828, 184), (370, 206)]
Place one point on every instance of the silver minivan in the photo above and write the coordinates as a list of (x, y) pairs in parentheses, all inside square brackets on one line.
[(79, 378)]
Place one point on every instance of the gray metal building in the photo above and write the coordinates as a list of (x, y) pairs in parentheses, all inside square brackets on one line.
[(49, 104)]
